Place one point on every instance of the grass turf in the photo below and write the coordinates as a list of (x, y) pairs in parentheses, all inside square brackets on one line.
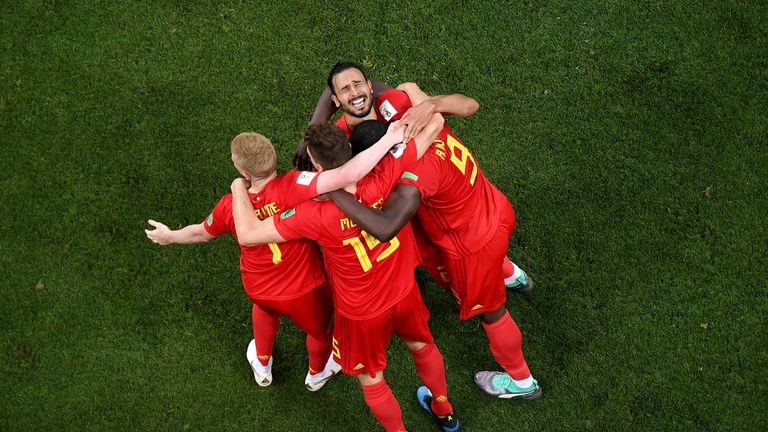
[(631, 138)]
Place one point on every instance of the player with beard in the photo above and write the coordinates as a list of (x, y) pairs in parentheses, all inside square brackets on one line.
[(375, 293), (470, 221), (285, 280), (349, 89)]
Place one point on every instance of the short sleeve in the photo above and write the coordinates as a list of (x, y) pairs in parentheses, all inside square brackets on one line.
[(298, 186), (422, 174), (220, 220), (298, 222)]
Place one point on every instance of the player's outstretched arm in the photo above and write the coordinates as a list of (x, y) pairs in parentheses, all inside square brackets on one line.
[(383, 224), (324, 110), (360, 165), (189, 234), (250, 230), (424, 106)]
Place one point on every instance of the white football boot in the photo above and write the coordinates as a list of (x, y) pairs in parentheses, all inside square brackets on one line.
[(317, 381), (262, 374)]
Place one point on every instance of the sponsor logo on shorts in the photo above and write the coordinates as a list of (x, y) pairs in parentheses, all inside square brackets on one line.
[(288, 213), (411, 176), (358, 367), (441, 398), (387, 110), (264, 357), (210, 219), (305, 178), (476, 307)]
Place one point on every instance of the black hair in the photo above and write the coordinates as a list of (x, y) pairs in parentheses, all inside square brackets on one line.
[(341, 67), (366, 134)]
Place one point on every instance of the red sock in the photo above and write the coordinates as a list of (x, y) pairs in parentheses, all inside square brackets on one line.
[(319, 350), (507, 267), (431, 370), (384, 406), (507, 346), (265, 325)]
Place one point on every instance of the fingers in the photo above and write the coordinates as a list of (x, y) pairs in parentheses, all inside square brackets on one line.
[(151, 235), (410, 131)]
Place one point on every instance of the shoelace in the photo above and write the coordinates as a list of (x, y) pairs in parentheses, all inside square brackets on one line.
[(503, 380)]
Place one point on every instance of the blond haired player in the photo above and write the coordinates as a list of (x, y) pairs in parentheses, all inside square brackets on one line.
[(281, 280)]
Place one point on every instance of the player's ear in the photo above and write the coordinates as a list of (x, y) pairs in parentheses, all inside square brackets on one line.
[(317, 166), (335, 101)]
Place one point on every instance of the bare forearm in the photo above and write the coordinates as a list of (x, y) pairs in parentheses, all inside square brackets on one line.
[(373, 221), (427, 136), (324, 108), (360, 165), (190, 234), (246, 221), (455, 105), (383, 224)]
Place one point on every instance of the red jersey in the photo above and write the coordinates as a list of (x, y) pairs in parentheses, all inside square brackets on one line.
[(274, 271), (367, 276), (342, 124), (460, 209)]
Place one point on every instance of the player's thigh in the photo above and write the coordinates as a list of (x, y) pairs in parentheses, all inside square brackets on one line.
[(311, 312), (360, 346), (410, 317), (478, 280)]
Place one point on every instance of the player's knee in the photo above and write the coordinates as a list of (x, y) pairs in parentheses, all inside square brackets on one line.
[(370, 378), (491, 317), (414, 346)]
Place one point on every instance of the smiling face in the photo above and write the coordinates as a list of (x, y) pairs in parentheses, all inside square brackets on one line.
[(353, 93)]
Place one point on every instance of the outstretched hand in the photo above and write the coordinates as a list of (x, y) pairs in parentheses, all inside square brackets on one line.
[(160, 235)]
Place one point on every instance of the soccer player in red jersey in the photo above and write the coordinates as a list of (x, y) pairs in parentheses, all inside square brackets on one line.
[(349, 89), (375, 293), (471, 221), (286, 279)]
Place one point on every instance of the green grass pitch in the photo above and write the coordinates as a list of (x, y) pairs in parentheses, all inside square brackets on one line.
[(630, 136)]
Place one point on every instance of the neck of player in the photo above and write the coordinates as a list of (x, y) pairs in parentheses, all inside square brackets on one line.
[(258, 184)]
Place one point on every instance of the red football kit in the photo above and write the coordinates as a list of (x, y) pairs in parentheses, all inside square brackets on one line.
[(342, 124), (430, 256), (272, 271), (465, 215), (285, 279), (374, 290)]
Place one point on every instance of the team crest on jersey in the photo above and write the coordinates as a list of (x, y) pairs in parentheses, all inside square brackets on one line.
[(210, 219), (397, 150), (387, 110), (305, 178), (288, 213)]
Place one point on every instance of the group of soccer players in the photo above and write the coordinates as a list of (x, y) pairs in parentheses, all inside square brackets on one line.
[(351, 297)]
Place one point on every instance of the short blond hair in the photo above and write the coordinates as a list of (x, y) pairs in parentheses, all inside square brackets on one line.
[(255, 154)]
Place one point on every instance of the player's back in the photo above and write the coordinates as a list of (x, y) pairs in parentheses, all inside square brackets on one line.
[(460, 206), (274, 271), (367, 276)]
